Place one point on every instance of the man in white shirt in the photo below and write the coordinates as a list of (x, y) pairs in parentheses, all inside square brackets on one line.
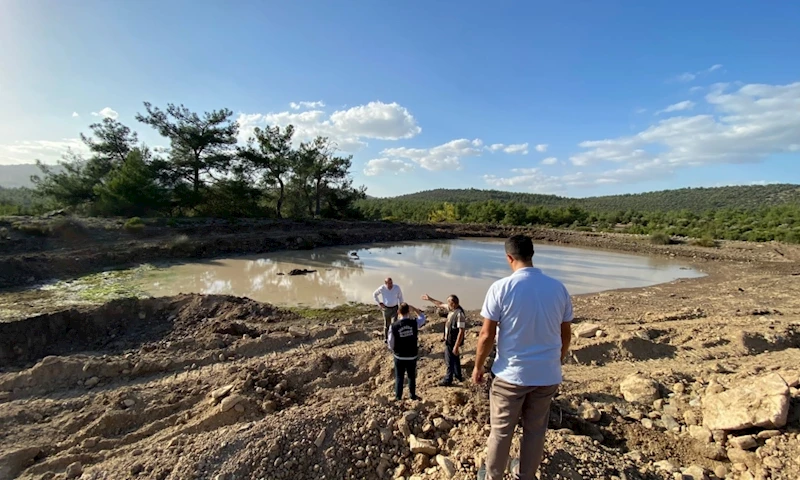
[(531, 315), (388, 296)]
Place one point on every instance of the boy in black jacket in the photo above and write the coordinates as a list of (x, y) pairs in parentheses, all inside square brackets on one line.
[(403, 340)]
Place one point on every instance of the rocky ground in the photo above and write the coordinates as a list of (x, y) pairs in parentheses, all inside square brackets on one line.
[(692, 379)]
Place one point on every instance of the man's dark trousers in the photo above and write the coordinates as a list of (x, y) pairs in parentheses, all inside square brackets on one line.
[(453, 364), (401, 368)]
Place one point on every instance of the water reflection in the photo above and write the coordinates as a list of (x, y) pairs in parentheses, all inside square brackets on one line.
[(464, 267)]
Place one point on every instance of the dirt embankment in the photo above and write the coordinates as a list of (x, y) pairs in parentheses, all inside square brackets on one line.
[(217, 387), (95, 244), (38, 249)]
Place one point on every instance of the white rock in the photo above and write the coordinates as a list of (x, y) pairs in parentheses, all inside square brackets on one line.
[(700, 433), (221, 392), (129, 402), (589, 412), (421, 445), (297, 332), (761, 402), (74, 470), (586, 330), (744, 442), (230, 402), (92, 382), (695, 473), (320, 438), (640, 389), (447, 466)]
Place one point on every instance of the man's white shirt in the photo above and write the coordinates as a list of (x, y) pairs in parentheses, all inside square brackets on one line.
[(390, 298)]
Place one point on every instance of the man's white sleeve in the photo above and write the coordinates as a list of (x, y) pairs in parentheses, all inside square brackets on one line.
[(376, 295), (568, 315), (492, 309)]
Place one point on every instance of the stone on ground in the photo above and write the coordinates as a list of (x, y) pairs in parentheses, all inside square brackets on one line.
[(762, 402)]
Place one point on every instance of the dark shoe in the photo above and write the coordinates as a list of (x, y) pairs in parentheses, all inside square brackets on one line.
[(460, 379), (416, 398), (445, 383)]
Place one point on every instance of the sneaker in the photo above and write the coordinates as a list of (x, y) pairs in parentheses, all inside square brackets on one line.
[(416, 398), (482, 472), (460, 379), (445, 383)]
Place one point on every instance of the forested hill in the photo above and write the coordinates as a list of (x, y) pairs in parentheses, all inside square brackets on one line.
[(693, 199)]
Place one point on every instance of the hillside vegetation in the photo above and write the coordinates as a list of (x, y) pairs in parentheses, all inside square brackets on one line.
[(692, 199), (752, 213)]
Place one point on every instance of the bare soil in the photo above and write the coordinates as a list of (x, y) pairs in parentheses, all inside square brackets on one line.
[(216, 387)]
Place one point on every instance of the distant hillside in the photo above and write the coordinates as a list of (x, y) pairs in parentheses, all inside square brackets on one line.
[(14, 176), (693, 199)]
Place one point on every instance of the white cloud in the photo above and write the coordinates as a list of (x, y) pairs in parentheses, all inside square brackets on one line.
[(378, 166), (48, 151), (550, 161), (514, 149), (687, 77), (299, 105), (75, 115), (541, 148), (105, 113), (348, 128), (447, 156), (678, 107), (745, 125)]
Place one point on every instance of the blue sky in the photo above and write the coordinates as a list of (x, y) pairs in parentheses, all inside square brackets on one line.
[(577, 98)]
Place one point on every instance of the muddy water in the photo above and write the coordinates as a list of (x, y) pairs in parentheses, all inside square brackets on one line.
[(351, 274)]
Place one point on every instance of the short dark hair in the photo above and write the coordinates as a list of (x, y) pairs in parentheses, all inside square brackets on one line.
[(520, 248), (455, 299), (404, 309)]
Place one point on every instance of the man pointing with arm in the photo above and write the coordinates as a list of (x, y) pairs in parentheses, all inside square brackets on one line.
[(388, 297), (529, 313)]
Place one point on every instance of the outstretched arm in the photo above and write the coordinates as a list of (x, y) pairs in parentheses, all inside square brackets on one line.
[(428, 298)]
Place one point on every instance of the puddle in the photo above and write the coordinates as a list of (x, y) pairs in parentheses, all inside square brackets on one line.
[(465, 267)]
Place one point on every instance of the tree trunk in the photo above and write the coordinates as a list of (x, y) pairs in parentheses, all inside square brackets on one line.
[(318, 196), (280, 198)]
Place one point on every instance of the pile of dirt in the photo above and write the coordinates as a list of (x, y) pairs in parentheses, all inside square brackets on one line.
[(191, 320)]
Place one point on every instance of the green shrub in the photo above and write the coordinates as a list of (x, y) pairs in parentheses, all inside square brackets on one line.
[(134, 225), (660, 238), (705, 241)]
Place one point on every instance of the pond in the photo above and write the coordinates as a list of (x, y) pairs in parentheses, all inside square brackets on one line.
[(465, 267)]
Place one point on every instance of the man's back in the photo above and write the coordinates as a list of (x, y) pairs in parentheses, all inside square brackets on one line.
[(529, 307)]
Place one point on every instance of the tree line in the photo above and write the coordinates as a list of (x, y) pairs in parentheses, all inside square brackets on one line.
[(203, 172), (697, 200), (778, 222)]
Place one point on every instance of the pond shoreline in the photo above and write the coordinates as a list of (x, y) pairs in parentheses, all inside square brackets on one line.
[(101, 244)]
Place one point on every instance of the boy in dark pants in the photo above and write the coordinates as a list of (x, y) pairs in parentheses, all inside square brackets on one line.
[(454, 329), (403, 340)]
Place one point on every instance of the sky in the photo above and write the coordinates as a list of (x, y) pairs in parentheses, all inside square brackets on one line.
[(576, 98)]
